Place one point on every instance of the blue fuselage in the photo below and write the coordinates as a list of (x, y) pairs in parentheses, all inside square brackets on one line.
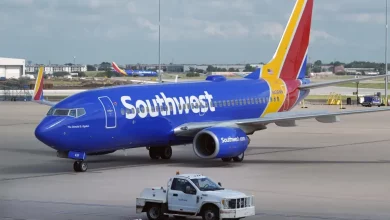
[(145, 115), (145, 73)]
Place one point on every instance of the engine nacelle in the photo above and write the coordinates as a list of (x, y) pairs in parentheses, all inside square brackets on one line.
[(220, 142)]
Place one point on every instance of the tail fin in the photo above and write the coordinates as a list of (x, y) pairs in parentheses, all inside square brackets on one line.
[(289, 60), (117, 69), (38, 89)]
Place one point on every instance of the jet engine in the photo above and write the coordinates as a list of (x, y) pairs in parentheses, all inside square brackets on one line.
[(220, 142)]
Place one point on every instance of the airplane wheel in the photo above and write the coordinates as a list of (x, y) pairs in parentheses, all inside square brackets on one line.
[(239, 158), (226, 159), (166, 153), (153, 153), (80, 166)]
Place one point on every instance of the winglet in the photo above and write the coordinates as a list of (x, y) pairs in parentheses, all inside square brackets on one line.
[(38, 89), (117, 69)]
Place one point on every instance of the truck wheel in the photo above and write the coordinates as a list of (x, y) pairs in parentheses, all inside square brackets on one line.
[(154, 212), (210, 213)]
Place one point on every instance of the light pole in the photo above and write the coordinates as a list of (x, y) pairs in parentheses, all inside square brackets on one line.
[(386, 78), (159, 49)]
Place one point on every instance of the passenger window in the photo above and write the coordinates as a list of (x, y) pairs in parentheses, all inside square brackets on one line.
[(256, 101), (228, 102), (274, 99), (224, 102), (244, 101), (236, 102), (232, 102), (252, 101), (278, 98)]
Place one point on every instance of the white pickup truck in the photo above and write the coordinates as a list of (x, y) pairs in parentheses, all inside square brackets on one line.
[(194, 195)]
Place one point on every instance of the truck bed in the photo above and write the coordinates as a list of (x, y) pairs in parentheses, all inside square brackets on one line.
[(154, 195)]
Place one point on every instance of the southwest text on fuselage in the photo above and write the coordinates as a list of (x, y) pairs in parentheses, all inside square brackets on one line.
[(168, 105)]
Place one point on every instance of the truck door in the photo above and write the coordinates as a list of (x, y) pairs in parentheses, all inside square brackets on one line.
[(179, 200)]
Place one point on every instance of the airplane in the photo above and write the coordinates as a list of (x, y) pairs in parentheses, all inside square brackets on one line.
[(137, 72), (216, 115), (133, 72)]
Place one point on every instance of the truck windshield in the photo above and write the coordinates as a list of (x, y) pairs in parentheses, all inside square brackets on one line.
[(205, 184)]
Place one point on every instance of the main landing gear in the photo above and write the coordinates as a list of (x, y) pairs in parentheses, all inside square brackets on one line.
[(238, 158), (80, 166), (160, 152)]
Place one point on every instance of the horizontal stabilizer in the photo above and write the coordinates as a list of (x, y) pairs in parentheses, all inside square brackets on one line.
[(329, 83)]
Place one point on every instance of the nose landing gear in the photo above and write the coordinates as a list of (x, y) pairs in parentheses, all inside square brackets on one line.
[(80, 166)]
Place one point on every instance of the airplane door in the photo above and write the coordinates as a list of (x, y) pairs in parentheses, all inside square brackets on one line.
[(109, 111)]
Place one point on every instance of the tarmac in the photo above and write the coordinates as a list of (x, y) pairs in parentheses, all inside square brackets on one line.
[(312, 171)]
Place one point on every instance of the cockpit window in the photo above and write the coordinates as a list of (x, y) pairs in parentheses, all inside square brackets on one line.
[(75, 113), (50, 112), (61, 112), (80, 112), (72, 113)]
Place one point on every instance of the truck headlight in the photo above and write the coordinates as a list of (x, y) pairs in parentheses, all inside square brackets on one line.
[(225, 203)]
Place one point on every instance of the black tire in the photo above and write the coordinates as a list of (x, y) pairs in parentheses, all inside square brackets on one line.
[(210, 213), (154, 212), (83, 166), (239, 158), (153, 153), (226, 159), (76, 166), (166, 153), (80, 166)]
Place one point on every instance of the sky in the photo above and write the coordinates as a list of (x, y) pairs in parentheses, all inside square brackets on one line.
[(192, 31)]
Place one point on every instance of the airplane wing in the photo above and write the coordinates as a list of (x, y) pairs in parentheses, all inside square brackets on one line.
[(329, 83), (282, 119), (38, 90)]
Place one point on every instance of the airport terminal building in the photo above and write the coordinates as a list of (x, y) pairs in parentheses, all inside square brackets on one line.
[(12, 68)]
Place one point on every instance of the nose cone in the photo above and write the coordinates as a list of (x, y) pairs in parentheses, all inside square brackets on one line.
[(48, 130)]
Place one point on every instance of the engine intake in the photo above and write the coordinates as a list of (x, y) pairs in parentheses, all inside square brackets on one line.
[(220, 142)]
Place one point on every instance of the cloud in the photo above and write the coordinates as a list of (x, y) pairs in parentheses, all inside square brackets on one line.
[(319, 35), (274, 30), (186, 25), (378, 18)]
